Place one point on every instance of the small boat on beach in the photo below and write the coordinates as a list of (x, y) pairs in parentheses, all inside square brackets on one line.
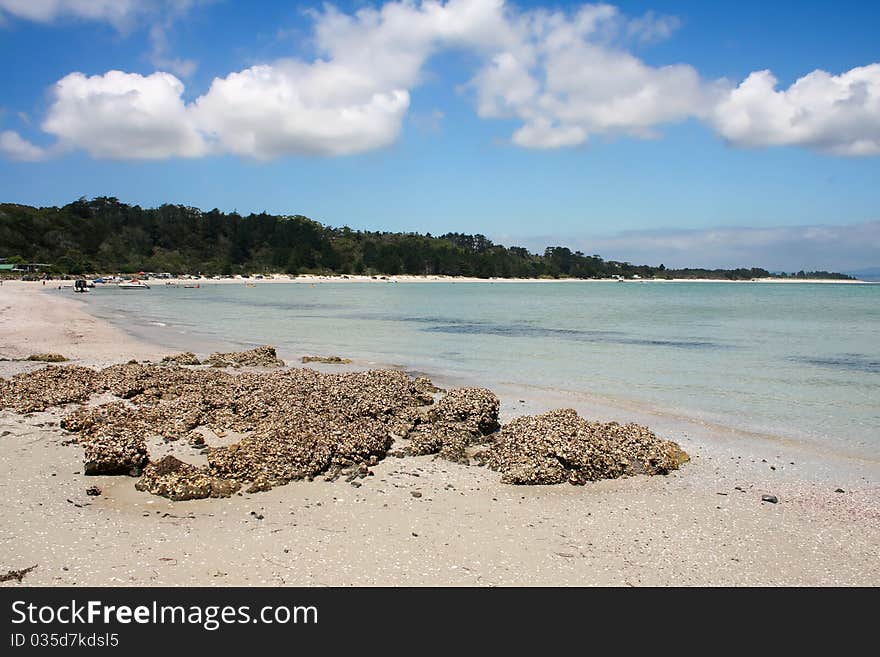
[(133, 284)]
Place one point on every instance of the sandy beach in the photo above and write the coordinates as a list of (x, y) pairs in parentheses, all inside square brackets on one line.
[(407, 278), (705, 524)]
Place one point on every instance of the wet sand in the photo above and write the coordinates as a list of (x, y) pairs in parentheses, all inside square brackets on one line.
[(703, 525)]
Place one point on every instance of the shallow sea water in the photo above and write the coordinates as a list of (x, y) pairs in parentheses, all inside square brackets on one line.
[(796, 361)]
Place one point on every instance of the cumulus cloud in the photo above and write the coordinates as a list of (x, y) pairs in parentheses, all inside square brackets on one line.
[(351, 99), (837, 114), (321, 109), (778, 248), (124, 116), (565, 76), (14, 147)]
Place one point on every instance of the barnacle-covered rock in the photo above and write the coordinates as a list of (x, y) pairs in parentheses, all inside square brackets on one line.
[(47, 358), (332, 360), (463, 417), (123, 453), (473, 409), (560, 446), (257, 357), (450, 441), (186, 358), (49, 386), (176, 480), (300, 423)]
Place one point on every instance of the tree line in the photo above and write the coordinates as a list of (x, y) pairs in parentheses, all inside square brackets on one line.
[(103, 235)]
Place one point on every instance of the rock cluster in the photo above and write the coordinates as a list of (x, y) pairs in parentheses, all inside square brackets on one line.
[(52, 385), (186, 358), (47, 358), (112, 437), (464, 417), (560, 446), (176, 480), (257, 357), (305, 422), (297, 423), (326, 359), (300, 424)]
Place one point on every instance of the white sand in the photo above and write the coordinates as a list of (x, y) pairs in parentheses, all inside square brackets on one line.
[(704, 525), (40, 319), (314, 279)]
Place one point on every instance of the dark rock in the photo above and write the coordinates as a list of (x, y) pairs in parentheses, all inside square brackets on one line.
[(16, 575), (94, 491), (769, 498)]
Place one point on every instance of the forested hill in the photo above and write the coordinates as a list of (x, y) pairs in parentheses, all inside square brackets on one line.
[(104, 235)]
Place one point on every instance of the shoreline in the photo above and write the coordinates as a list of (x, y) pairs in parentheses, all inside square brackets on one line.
[(703, 525), (430, 278)]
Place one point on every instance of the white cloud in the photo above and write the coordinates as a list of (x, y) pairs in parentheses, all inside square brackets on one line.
[(355, 96), (837, 114), (15, 147), (564, 76), (651, 27), (116, 12), (295, 108), (124, 116), (566, 79)]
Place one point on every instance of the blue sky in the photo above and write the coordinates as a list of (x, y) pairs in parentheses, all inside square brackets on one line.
[(641, 131)]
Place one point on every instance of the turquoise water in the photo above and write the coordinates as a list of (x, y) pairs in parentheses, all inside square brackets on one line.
[(799, 361)]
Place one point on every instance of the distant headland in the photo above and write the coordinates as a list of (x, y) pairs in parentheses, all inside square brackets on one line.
[(105, 235)]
